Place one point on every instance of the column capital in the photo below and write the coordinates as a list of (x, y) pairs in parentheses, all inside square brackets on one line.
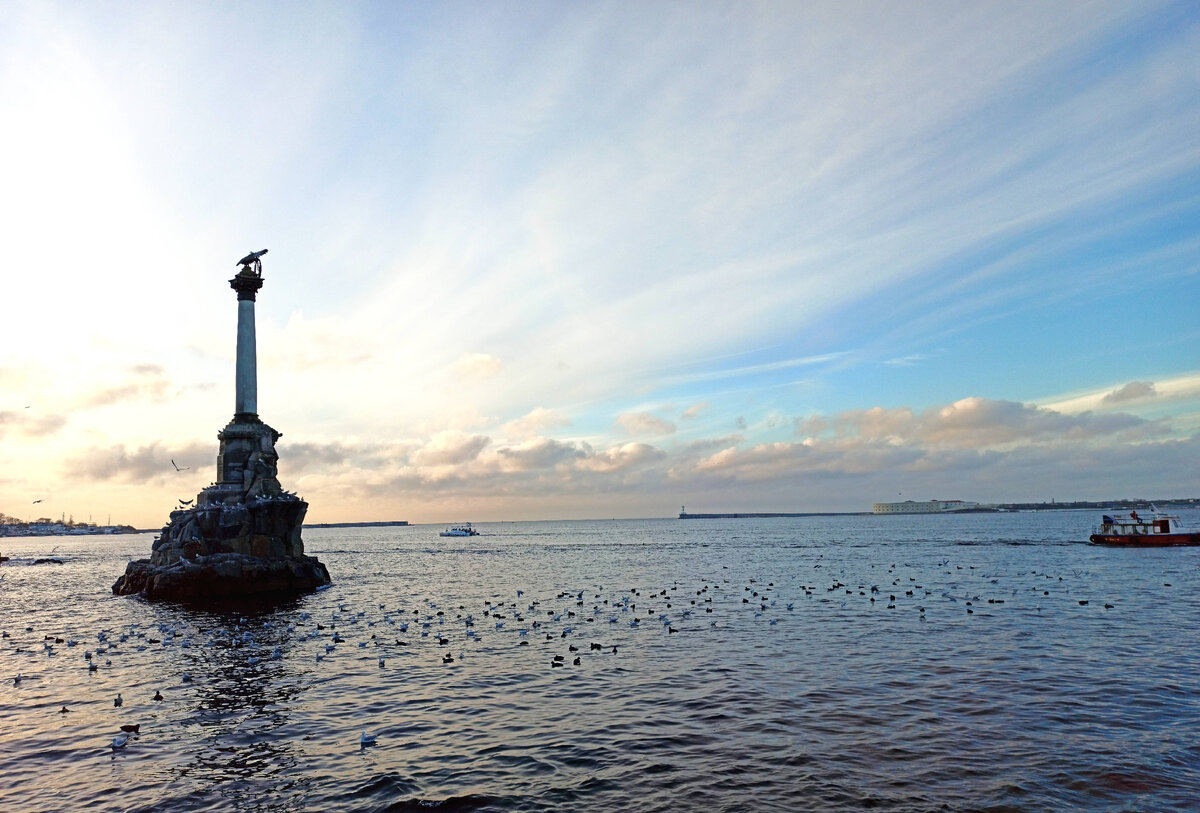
[(246, 283)]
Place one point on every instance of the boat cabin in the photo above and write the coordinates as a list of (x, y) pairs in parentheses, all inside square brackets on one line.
[(1133, 524)]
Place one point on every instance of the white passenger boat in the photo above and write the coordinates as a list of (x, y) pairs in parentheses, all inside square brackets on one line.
[(461, 529)]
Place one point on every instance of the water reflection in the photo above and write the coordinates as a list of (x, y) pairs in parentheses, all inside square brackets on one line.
[(243, 683)]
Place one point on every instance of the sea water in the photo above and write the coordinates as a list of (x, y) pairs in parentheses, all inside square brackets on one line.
[(985, 662)]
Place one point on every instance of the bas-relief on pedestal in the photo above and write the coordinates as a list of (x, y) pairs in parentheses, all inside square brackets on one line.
[(242, 538)]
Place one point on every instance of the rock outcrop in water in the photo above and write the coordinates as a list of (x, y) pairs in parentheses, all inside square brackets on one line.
[(242, 537)]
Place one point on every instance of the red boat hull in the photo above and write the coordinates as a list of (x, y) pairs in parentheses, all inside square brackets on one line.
[(1146, 540)]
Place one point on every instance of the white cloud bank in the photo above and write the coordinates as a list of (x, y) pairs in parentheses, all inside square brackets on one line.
[(974, 448)]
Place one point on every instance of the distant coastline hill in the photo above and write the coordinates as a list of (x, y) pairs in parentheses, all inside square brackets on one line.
[(44, 526), (965, 507), (10, 526)]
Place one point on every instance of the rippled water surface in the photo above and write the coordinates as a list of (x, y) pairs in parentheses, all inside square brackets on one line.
[(1001, 665)]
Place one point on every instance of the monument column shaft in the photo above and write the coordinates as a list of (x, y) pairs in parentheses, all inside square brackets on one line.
[(247, 363), (246, 283)]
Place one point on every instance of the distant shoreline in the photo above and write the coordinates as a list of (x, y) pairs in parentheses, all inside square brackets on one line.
[(60, 529), (15, 531), (19, 531)]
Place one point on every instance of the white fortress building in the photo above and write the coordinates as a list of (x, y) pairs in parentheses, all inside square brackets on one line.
[(931, 507)]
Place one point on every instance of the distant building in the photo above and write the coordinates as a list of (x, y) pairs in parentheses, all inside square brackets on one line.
[(931, 507)]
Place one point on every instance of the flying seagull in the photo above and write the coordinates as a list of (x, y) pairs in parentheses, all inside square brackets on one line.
[(35, 502), (176, 465)]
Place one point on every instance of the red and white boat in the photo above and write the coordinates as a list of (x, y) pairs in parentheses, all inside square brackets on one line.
[(1157, 530)]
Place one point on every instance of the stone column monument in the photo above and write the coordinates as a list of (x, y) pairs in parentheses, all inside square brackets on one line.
[(246, 283), (242, 537)]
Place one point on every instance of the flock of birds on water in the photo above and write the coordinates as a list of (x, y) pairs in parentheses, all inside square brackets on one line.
[(564, 630)]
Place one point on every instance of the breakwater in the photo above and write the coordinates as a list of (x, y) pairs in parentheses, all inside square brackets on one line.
[(388, 524), (686, 515)]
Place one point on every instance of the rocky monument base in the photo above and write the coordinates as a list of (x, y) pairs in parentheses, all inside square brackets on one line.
[(242, 538), (222, 577)]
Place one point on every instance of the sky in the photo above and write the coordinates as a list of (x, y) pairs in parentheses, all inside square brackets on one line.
[(601, 259)]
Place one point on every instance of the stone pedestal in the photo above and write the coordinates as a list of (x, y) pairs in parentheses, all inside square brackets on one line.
[(247, 464)]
